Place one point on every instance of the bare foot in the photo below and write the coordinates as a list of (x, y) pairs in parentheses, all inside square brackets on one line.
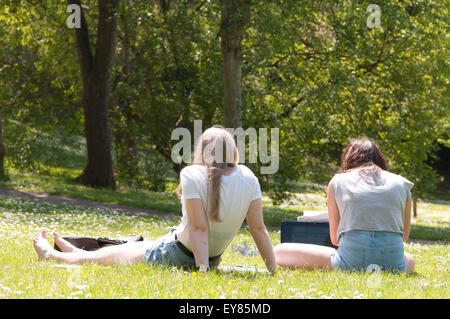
[(63, 244), (41, 245)]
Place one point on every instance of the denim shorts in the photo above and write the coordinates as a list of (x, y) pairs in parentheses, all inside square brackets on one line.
[(359, 249), (164, 250)]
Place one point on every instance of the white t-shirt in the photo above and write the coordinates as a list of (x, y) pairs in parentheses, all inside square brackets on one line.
[(237, 191)]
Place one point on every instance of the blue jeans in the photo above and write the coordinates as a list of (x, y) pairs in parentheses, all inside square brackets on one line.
[(360, 248), (164, 250)]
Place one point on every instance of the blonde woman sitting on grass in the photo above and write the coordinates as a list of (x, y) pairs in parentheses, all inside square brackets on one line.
[(217, 195)]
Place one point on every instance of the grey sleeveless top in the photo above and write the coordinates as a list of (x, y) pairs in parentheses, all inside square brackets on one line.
[(369, 201)]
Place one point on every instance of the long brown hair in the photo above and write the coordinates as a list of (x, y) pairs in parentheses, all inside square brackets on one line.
[(361, 153), (217, 151)]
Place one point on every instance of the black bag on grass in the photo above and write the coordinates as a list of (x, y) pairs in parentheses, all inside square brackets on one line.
[(306, 232), (91, 243)]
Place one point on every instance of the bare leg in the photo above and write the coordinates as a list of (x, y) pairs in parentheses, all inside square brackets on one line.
[(410, 263), (306, 256), (63, 244), (112, 255)]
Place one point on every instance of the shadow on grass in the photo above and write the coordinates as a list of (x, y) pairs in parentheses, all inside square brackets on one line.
[(247, 275), (430, 233), (273, 216)]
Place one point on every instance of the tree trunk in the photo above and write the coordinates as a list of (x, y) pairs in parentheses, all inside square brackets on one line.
[(96, 75), (98, 171), (415, 207), (235, 15)]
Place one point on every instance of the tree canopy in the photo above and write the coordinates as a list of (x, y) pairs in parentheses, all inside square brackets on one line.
[(316, 70)]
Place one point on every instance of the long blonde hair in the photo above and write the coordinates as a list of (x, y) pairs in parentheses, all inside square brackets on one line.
[(217, 151)]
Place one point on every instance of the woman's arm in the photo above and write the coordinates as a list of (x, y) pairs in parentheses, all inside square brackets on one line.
[(259, 233), (333, 215), (198, 230), (407, 225)]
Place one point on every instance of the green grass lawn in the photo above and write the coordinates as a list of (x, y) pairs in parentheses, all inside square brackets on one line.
[(59, 181), (23, 276), (433, 222)]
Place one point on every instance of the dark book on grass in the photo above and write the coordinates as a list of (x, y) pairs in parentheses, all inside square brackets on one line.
[(94, 243), (317, 233)]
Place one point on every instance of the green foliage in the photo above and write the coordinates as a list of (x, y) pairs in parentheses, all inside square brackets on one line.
[(317, 71), (163, 78), (313, 69), (38, 91)]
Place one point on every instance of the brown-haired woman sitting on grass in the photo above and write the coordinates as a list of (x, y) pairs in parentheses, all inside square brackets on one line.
[(369, 211)]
